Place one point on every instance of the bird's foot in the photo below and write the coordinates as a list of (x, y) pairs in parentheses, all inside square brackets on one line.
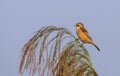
[(76, 39)]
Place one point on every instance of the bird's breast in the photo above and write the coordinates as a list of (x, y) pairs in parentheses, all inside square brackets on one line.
[(82, 36)]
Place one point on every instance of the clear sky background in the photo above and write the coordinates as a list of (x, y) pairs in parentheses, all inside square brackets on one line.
[(19, 19)]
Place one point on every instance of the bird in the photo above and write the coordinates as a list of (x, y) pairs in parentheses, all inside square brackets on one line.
[(84, 35)]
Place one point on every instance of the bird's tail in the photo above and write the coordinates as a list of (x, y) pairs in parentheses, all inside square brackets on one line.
[(96, 46)]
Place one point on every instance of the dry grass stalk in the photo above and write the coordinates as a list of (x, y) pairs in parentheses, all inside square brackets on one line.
[(60, 54)]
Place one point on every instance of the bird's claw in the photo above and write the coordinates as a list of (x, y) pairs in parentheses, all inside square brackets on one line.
[(76, 39)]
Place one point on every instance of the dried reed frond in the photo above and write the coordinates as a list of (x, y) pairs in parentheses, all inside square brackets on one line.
[(59, 54)]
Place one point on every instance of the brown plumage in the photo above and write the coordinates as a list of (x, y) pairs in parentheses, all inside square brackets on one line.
[(84, 35)]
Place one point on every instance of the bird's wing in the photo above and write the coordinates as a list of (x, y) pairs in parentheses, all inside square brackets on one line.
[(86, 32)]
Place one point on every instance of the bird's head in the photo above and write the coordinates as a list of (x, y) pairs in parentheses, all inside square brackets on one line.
[(79, 25)]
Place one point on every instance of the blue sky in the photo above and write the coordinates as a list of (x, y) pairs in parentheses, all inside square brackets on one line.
[(19, 19)]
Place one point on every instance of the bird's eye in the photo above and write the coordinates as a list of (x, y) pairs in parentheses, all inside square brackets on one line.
[(77, 25)]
